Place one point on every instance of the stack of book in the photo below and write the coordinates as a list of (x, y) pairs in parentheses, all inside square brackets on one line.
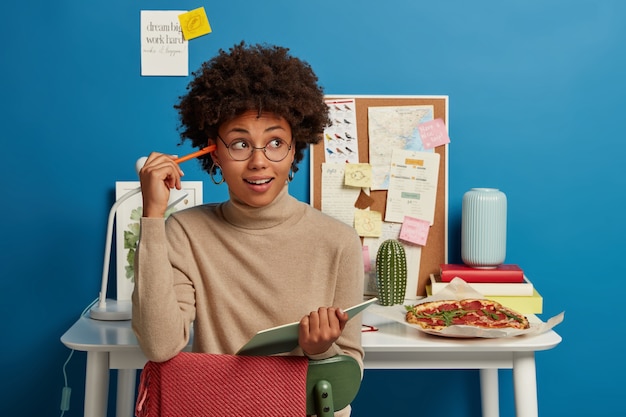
[(506, 284)]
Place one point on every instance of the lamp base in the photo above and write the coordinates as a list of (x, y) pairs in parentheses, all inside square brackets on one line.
[(114, 310)]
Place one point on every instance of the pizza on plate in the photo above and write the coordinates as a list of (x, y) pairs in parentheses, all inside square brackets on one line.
[(436, 315)]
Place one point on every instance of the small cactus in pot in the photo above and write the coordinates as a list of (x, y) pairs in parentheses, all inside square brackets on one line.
[(391, 273)]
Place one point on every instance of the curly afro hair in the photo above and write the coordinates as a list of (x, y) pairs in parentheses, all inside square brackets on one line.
[(255, 77)]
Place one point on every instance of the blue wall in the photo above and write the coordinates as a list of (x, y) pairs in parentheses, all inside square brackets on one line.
[(537, 101)]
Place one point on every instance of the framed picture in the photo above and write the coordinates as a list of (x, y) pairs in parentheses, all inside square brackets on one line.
[(127, 227)]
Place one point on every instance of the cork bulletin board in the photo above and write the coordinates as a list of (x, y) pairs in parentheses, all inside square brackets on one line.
[(435, 251)]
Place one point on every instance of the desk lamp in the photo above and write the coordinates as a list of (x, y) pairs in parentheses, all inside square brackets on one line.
[(115, 310)]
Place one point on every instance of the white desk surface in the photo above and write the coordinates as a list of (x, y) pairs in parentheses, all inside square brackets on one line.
[(94, 335)]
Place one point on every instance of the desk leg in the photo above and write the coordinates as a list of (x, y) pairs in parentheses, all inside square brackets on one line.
[(125, 406), (525, 384), (96, 384), (489, 393)]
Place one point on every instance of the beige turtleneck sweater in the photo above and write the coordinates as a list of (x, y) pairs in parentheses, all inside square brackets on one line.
[(233, 270)]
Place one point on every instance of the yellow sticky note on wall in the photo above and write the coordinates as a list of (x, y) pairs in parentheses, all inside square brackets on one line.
[(368, 223), (358, 175), (194, 23)]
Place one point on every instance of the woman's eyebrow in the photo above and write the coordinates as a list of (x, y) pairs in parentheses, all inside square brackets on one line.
[(238, 130), (273, 128), (267, 130)]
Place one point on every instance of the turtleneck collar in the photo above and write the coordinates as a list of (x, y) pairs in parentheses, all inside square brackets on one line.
[(283, 208)]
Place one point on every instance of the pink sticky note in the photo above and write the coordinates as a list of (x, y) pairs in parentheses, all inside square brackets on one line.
[(366, 258), (414, 230), (433, 133)]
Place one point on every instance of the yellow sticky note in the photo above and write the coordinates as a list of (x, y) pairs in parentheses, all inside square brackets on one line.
[(368, 223), (194, 23), (358, 175)]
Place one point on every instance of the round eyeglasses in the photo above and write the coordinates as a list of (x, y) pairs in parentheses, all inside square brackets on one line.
[(241, 149)]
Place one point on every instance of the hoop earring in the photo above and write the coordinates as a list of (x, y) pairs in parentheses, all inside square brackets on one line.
[(291, 174), (212, 173)]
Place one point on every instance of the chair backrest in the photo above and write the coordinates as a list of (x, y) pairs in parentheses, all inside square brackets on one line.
[(225, 385), (331, 384)]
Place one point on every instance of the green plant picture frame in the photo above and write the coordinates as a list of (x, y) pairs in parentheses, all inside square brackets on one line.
[(127, 219)]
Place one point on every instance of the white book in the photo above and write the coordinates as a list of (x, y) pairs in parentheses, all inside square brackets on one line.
[(525, 288)]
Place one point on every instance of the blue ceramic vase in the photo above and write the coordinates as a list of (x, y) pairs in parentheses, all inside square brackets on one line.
[(483, 228)]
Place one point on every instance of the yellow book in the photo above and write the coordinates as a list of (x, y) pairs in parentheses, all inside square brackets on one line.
[(525, 304)]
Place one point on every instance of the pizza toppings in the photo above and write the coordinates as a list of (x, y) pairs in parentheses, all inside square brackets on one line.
[(436, 315)]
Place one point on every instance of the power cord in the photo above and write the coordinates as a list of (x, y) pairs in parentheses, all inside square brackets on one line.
[(66, 392)]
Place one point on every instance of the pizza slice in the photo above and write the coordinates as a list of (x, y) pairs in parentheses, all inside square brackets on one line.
[(436, 315)]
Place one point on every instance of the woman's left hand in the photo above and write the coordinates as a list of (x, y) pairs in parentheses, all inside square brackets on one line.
[(320, 329)]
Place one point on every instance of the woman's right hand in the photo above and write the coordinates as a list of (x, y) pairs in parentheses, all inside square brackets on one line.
[(319, 329), (158, 175)]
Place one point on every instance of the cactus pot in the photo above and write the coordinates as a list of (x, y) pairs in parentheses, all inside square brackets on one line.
[(391, 273)]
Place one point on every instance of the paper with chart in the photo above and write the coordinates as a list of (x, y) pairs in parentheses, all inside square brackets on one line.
[(412, 186), (393, 127)]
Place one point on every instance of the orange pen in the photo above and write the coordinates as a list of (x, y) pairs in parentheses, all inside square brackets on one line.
[(203, 151)]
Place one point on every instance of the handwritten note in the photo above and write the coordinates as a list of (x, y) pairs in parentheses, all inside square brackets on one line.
[(194, 23), (338, 199), (414, 230), (433, 133), (368, 223), (359, 175), (163, 48)]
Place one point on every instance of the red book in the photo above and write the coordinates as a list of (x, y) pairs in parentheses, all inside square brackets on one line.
[(501, 273)]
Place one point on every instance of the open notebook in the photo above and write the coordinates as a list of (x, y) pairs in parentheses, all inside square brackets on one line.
[(285, 338)]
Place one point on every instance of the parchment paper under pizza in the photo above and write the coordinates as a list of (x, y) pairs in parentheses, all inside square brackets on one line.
[(459, 311)]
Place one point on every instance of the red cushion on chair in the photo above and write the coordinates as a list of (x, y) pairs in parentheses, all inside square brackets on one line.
[(212, 385)]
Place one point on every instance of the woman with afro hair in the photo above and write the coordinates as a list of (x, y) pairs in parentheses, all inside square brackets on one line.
[(262, 258)]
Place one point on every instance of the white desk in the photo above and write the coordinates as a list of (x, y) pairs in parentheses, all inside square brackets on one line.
[(112, 345)]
